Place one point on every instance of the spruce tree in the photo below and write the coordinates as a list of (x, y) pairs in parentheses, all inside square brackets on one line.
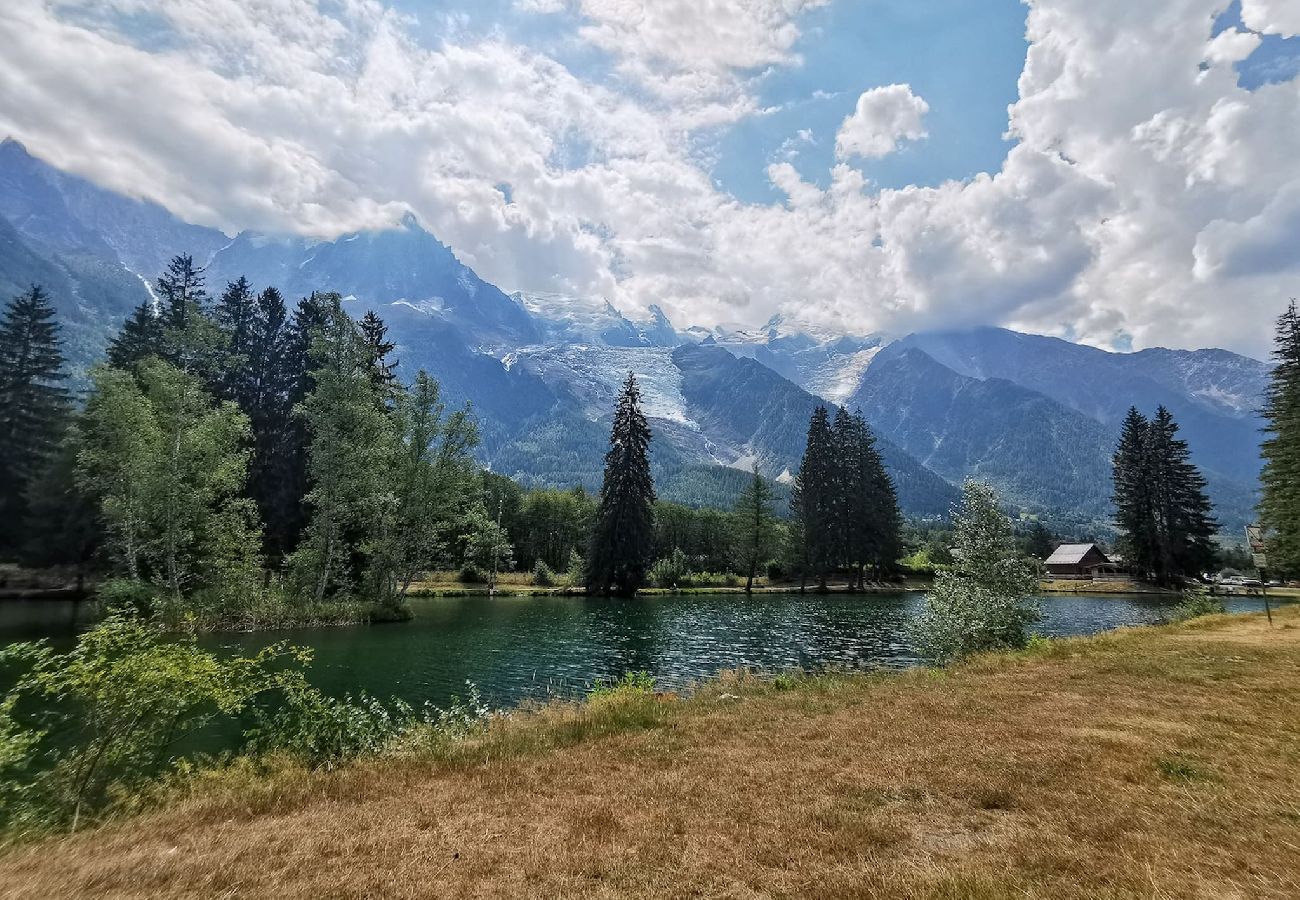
[(235, 315), (623, 538), (1133, 496), (191, 340), (141, 337), (1185, 523), (755, 525), (882, 536), (33, 403), (814, 502), (375, 333), (1279, 507), (268, 400)]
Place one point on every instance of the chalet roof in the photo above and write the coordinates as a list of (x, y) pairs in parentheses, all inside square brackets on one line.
[(1072, 554)]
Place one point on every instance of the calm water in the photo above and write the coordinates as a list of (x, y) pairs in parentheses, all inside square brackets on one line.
[(530, 647)]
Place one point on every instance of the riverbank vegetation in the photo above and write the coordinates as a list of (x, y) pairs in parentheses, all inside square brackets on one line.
[(1151, 761)]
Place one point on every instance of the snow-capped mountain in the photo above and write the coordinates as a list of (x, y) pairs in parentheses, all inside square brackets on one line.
[(1037, 416)]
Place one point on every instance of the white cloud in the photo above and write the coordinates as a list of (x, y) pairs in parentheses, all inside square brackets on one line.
[(1271, 16), (1143, 195), (1232, 45), (884, 116)]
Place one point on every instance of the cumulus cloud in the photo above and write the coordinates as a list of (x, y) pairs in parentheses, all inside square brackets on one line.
[(1142, 191), (883, 117), (1271, 16)]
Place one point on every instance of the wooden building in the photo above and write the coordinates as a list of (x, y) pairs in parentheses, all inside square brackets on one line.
[(1079, 561)]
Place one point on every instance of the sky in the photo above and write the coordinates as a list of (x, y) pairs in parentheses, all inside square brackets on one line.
[(1123, 174)]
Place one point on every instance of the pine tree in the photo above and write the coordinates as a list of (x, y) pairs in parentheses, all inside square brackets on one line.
[(755, 527), (1038, 541), (33, 403), (1185, 524), (622, 540), (814, 501), (1133, 497), (236, 316), (141, 337), (191, 340), (375, 333), (882, 537), (1279, 508), (267, 398)]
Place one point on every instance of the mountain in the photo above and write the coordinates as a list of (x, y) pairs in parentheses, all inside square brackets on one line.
[(1037, 416), (1215, 395), (400, 265), (1040, 454)]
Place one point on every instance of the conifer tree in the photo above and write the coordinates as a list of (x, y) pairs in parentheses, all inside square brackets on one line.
[(755, 524), (191, 340), (813, 501), (141, 336), (1133, 495), (882, 539), (1279, 508), (1163, 514), (622, 541), (1185, 524), (375, 333), (235, 315), (33, 403), (267, 398)]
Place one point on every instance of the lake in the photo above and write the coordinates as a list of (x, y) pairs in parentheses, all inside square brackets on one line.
[(533, 647)]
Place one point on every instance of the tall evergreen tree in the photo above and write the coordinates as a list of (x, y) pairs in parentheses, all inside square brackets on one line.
[(1279, 507), (236, 316), (191, 340), (141, 336), (813, 501), (755, 524), (382, 369), (880, 542), (1163, 514), (622, 540), (33, 403), (1185, 523), (1133, 494)]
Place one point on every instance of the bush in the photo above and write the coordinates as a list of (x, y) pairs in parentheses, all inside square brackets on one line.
[(325, 731), (472, 574), (1197, 603), (542, 574), (671, 571), (127, 596), (110, 711), (575, 575)]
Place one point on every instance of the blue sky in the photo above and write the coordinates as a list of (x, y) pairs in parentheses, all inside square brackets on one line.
[(1124, 173)]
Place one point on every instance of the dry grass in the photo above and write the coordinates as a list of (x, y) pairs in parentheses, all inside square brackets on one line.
[(1146, 763)]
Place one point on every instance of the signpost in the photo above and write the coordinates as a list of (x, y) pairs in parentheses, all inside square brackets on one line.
[(1259, 552)]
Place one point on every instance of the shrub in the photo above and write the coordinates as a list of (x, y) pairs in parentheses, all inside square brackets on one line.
[(111, 710), (671, 571), (542, 574), (1197, 603), (325, 731), (472, 574), (127, 596)]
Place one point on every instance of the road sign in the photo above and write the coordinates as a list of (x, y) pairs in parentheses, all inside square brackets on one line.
[(1261, 560), (1255, 538)]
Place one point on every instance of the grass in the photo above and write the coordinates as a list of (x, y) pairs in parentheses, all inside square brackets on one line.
[(1160, 762)]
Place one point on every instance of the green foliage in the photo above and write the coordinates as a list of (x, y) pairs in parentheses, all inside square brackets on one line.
[(542, 574), (324, 731), (169, 465), (111, 711), (755, 527), (631, 684), (1161, 508), (1196, 603), (350, 437), (624, 530), (978, 603), (33, 404), (672, 571), (1279, 507), (574, 572)]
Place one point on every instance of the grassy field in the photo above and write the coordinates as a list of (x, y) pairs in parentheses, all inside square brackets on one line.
[(1160, 762)]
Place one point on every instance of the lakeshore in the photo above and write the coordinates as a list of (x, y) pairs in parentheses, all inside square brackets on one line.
[(1144, 762)]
